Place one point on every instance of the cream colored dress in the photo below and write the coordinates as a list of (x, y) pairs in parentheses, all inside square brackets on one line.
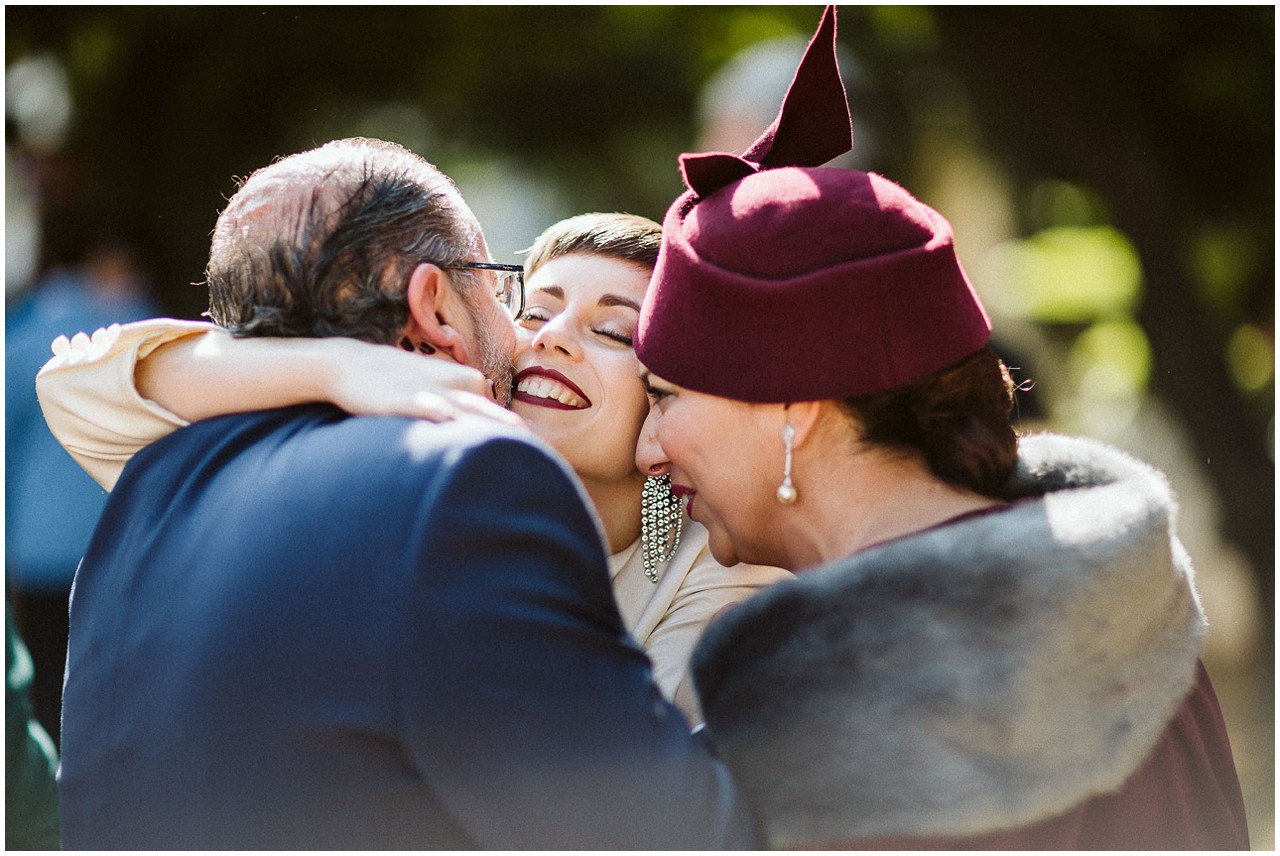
[(668, 617), (93, 407)]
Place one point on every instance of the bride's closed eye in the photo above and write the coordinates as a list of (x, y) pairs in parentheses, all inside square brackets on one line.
[(622, 338), (534, 316)]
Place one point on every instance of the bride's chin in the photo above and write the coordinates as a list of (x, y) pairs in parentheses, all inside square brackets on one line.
[(533, 417)]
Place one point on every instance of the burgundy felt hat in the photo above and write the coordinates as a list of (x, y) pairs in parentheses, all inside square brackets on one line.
[(781, 280)]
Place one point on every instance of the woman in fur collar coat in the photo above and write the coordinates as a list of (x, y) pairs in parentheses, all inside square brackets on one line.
[(989, 644)]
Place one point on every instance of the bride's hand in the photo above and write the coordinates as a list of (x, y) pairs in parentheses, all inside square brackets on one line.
[(381, 380)]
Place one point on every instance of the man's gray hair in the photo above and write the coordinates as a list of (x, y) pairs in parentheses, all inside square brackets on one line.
[(322, 243)]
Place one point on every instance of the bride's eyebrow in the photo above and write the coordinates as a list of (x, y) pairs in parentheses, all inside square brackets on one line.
[(552, 290), (618, 300)]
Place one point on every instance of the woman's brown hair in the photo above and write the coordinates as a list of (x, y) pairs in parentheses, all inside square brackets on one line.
[(957, 420)]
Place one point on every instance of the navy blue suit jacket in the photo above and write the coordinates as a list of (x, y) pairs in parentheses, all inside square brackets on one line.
[(301, 629)]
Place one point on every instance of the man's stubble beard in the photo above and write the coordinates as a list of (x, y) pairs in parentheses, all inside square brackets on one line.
[(503, 377), (495, 362)]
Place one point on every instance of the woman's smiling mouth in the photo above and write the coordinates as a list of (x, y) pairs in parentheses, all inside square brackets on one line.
[(548, 388)]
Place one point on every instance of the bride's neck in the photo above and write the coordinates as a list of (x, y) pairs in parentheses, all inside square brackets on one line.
[(618, 506)]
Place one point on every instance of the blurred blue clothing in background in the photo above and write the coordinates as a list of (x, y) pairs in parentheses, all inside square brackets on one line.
[(51, 505)]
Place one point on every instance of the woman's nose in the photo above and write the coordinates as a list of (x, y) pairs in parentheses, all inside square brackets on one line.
[(556, 335), (651, 459)]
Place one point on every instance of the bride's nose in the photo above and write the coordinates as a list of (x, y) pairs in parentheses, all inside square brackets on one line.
[(556, 334)]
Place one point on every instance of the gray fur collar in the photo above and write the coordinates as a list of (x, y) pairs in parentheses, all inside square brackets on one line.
[(971, 678)]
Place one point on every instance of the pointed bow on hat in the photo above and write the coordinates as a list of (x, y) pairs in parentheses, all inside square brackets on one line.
[(782, 280)]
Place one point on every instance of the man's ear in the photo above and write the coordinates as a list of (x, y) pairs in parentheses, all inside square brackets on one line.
[(433, 305)]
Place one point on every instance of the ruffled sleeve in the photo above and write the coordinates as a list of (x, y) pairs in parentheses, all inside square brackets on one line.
[(91, 402)]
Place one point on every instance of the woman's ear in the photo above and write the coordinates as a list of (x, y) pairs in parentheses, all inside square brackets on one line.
[(433, 304), (802, 416)]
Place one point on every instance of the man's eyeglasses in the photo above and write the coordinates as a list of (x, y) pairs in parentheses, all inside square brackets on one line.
[(510, 290)]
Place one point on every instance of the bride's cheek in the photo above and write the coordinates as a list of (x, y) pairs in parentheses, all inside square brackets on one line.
[(524, 340)]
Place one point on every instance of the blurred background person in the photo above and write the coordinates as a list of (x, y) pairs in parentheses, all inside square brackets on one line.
[(91, 279), (73, 255)]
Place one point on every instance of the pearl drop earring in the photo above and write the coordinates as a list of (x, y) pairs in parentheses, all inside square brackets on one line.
[(787, 490)]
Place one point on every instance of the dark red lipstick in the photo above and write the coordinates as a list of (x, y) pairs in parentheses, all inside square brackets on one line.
[(552, 374), (680, 492)]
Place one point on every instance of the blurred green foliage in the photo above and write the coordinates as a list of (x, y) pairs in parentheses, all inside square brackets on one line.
[(1071, 274)]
